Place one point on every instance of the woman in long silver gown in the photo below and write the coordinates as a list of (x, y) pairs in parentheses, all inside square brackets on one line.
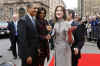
[(62, 46)]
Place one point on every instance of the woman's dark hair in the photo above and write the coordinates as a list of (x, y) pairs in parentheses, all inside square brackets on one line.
[(39, 12), (64, 11)]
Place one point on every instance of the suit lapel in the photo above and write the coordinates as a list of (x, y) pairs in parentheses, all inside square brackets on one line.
[(29, 21), (13, 26)]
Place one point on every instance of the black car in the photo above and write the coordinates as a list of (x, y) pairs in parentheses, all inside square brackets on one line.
[(3, 29)]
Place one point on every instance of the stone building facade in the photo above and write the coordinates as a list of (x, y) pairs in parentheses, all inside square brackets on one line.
[(53, 4), (89, 7), (9, 7)]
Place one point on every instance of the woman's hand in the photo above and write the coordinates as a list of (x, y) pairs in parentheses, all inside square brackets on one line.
[(29, 60), (48, 37), (49, 28)]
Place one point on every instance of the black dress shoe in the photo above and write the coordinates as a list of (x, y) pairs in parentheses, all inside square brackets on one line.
[(15, 58), (9, 49), (0, 56)]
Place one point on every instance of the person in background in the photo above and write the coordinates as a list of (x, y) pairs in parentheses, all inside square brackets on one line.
[(93, 28), (21, 12), (88, 26), (98, 33), (42, 27), (62, 42), (12, 27), (28, 38), (51, 22), (76, 20)]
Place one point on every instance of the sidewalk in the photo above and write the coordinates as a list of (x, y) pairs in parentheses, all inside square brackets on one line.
[(89, 47), (7, 55)]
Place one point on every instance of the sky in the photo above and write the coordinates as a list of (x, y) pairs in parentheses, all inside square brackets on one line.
[(71, 4)]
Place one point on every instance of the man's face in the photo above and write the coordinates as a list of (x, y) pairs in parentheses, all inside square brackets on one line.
[(35, 11), (15, 17), (31, 11), (69, 16), (76, 18)]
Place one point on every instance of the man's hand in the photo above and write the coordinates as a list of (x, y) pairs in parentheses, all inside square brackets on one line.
[(29, 60), (48, 37), (73, 28), (76, 51), (39, 52)]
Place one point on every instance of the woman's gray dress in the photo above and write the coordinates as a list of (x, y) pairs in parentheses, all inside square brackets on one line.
[(62, 47)]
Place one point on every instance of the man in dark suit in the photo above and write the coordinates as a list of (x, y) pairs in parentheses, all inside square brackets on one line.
[(28, 38), (21, 12), (79, 37), (12, 26)]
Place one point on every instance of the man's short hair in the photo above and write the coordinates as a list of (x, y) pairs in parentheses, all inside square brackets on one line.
[(21, 12), (71, 12)]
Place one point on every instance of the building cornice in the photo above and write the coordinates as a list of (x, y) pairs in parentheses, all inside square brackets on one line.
[(26, 3)]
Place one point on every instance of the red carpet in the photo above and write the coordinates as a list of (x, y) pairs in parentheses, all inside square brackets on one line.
[(86, 60)]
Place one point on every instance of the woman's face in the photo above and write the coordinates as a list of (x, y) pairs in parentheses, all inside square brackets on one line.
[(59, 13), (42, 14)]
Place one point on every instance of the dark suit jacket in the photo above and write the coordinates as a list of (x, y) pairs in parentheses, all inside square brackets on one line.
[(28, 37), (98, 34), (12, 30), (79, 38), (51, 22), (98, 31)]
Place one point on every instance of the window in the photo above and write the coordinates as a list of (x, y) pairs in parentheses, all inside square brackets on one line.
[(1, 12), (11, 12)]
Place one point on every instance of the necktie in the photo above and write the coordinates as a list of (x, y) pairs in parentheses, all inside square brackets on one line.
[(16, 28), (33, 22)]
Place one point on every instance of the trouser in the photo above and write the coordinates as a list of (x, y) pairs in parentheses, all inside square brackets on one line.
[(98, 43), (52, 43), (74, 61), (41, 60), (14, 41), (75, 58)]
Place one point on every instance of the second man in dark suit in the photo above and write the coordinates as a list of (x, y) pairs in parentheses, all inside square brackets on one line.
[(12, 26), (79, 37)]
